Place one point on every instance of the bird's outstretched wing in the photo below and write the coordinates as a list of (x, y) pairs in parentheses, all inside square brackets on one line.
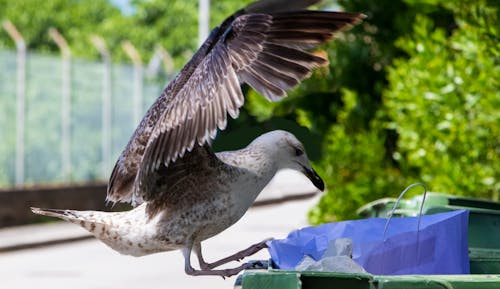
[(267, 51), (124, 173)]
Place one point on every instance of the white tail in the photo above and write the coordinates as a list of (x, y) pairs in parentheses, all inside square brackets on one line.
[(92, 221), (125, 232)]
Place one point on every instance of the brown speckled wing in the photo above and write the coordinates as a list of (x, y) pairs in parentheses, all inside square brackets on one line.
[(183, 178), (267, 51)]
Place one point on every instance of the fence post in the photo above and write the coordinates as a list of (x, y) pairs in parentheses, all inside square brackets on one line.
[(168, 62), (204, 20), (100, 45), (65, 102), (20, 98), (160, 56), (134, 55)]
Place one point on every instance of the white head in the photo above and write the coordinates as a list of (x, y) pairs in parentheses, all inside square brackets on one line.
[(288, 153)]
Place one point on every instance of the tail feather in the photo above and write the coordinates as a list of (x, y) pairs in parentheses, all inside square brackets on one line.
[(62, 214), (122, 231), (92, 221)]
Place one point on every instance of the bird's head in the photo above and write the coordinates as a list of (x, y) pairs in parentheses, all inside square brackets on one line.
[(289, 153)]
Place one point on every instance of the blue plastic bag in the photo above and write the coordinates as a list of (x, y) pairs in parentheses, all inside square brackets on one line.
[(440, 248)]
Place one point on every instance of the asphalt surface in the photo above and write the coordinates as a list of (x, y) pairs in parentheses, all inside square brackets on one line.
[(90, 264)]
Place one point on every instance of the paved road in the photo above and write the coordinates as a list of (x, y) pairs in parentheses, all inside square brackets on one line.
[(91, 265)]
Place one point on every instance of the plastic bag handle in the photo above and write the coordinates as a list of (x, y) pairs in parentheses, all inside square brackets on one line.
[(397, 203)]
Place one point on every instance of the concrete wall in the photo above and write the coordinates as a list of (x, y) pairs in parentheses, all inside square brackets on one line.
[(15, 203)]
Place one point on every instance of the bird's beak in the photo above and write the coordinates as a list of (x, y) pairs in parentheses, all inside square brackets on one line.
[(313, 176)]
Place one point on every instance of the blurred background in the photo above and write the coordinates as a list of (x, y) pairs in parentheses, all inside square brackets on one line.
[(411, 95)]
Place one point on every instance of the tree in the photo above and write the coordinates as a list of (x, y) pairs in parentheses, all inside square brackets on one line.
[(76, 20), (437, 118), (444, 102), (172, 24)]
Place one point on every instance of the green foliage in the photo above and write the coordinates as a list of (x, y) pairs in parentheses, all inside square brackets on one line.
[(76, 20), (437, 117), (444, 103), (355, 167), (356, 163), (173, 24)]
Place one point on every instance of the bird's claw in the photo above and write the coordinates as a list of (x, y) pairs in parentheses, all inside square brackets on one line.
[(256, 264)]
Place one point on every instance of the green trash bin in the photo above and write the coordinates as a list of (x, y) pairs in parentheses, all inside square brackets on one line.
[(280, 279), (484, 223), (484, 253)]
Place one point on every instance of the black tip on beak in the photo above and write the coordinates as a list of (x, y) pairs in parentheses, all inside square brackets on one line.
[(315, 179)]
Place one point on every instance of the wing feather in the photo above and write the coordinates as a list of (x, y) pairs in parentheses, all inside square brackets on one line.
[(260, 49), (269, 51)]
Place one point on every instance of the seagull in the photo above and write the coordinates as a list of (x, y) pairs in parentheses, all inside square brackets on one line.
[(182, 192)]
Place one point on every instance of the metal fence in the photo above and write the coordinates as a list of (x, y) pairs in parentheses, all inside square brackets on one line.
[(73, 120)]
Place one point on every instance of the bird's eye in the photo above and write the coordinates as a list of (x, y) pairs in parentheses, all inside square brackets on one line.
[(298, 152)]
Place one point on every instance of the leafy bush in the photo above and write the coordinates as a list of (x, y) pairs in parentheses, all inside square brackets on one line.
[(444, 102), (340, 105), (437, 121), (355, 167)]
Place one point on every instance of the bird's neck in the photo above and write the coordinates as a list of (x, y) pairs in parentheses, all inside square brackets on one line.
[(251, 161), (254, 168)]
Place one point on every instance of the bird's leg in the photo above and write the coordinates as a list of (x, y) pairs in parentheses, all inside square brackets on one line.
[(223, 273), (235, 257), (203, 265)]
